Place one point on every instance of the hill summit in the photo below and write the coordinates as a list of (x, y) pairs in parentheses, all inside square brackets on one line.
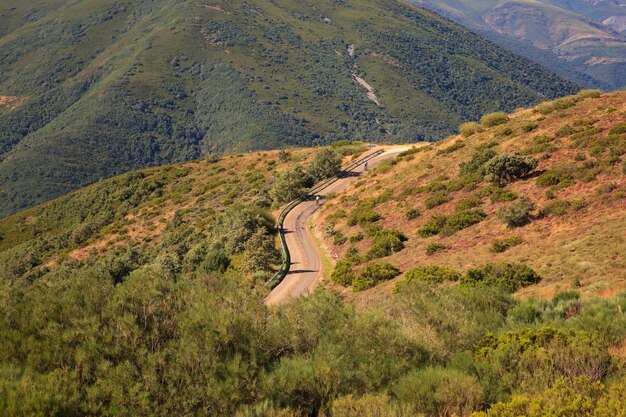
[(93, 88)]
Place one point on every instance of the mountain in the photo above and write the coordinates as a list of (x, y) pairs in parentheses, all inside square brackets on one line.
[(571, 196), (144, 294), (93, 88), (581, 40)]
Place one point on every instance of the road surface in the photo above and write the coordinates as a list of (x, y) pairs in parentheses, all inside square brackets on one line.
[(306, 262)]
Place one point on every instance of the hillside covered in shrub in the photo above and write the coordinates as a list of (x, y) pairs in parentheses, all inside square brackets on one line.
[(542, 188), (144, 294), (93, 88)]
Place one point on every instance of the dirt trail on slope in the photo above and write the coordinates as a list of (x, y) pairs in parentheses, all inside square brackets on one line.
[(306, 262)]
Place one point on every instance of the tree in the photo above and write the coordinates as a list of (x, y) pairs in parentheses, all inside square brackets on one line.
[(290, 185), (326, 164), (259, 252), (506, 168)]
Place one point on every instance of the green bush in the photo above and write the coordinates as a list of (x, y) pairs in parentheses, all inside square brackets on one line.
[(363, 215), (386, 242), (555, 208), (433, 226), (413, 214), (452, 148), (436, 391), (494, 119), (373, 274), (509, 276), (216, 261), (503, 131), (530, 126), (548, 179), (432, 273), (566, 130), (518, 214), (473, 201), (436, 200), (506, 168), (434, 248), (470, 128), (343, 274), (503, 195), (504, 244), (460, 220)]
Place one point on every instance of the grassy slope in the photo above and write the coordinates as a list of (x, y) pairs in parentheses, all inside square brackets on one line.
[(110, 87), (586, 244)]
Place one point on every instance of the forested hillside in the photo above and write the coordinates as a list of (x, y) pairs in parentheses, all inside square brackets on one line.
[(93, 88), (144, 295)]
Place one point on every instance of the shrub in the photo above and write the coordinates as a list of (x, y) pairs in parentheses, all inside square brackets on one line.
[(440, 392), (363, 215), (566, 130), (579, 204), (356, 238), (215, 261), (548, 179), (373, 274), (454, 147), (618, 129), (470, 128), (431, 274), (434, 248), (479, 159), (339, 238), (503, 131), (494, 119), (509, 276), (502, 245), (433, 226), (436, 200), (530, 126), (468, 203), (343, 274), (506, 168), (338, 214), (556, 208), (413, 214), (386, 242), (462, 220), (518, 214), (503, 195)]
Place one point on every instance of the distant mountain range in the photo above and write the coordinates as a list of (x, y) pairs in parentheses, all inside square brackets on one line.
[(93, 88), (584, 40)]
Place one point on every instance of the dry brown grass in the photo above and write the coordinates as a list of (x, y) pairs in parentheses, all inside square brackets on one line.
[(587, 245)]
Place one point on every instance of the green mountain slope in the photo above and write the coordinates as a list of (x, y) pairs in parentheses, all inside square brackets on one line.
[(581, 38), (92, 88)]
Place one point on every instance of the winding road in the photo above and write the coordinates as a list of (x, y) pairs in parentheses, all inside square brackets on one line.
[(306, 261)]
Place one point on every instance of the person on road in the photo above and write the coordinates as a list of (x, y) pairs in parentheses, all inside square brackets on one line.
[(366, 165), (317, 200)]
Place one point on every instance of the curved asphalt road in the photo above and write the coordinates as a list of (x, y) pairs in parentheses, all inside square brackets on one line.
[(306, 261)]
